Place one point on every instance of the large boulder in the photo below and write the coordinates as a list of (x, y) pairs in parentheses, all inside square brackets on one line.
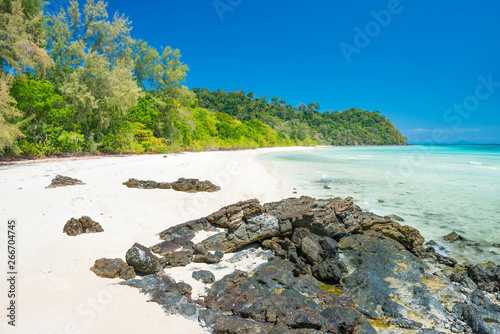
[(407, 236), (329, 217), (142, 259), (63, 181), (112, 268), (487, 280), (85, 224)]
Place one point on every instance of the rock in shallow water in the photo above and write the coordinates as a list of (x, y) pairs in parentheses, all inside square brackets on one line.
[(453, 237)]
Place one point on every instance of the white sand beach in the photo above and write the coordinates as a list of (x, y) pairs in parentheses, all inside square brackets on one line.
[(56, 291)]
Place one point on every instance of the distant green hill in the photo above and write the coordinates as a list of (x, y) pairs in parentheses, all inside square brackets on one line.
[(305, 123)]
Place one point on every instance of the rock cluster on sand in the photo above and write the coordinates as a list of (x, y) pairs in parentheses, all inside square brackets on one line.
[(182, 184), (112, 268), (81, 225), (335, 269), (63, 181)]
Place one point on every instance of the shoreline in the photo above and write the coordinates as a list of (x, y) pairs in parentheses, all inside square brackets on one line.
[(55, 266)]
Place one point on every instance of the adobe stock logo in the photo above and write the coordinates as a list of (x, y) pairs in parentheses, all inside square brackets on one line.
[(223, 6), (372, 29)]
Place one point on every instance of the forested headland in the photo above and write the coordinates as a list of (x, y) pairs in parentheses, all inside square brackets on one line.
[(77, 81)]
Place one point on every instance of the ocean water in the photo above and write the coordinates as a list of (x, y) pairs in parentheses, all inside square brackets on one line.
[(436, 189)]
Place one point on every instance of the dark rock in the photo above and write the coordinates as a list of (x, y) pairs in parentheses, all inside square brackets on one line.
[(452, 237), (141, 184), (485, 279), (194, 185), (382, 271), (308, 244), (179, 258), (175, 237), (112, 268), (85, 224), (445, 260), (232, 216), (431, 243), (252, 229), (209, 258), (63, 181), (182, 184), (329, 271), (330, 217), (204, 276), (142, 259), (326, 187), (343, 319), (405, 323), (405, 235), (457, 277), (395, 217), (467, 285), (471, 314)]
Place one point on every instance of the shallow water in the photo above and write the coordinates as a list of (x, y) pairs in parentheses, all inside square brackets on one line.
[(436, 189)]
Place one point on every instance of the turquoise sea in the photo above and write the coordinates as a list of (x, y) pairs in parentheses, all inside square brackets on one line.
[(436, 189)]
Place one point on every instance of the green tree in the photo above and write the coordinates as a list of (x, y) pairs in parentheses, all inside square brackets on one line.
[(21, 39), (93, 64), (8, 132)]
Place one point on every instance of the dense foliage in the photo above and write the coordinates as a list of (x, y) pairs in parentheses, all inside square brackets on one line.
[(77, 81), (305, 123)]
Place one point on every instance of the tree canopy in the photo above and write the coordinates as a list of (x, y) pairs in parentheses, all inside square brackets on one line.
[(76, 81)]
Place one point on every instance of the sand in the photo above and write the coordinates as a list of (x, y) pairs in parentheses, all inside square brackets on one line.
[(56, 291)]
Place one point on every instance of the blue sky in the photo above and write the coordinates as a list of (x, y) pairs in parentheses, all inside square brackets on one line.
[(432, 67)]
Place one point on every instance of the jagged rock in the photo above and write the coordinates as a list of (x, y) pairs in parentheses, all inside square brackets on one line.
[(479, 313), (232, 216), (261, 297), (85, 224), (63, 181), (487, 280), (379, 269), (204, 276), (251, 229), (405, 235), (142, 259), (445, 260), (467, 285), (141, 184), (385, 278), (330, 217), (221, 323), (452, 237), (209, 258), (182, 184), (112, 268), (329, 271), (395, 218), (175, 237), (326, 187), (194, 185), (179, 259)]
